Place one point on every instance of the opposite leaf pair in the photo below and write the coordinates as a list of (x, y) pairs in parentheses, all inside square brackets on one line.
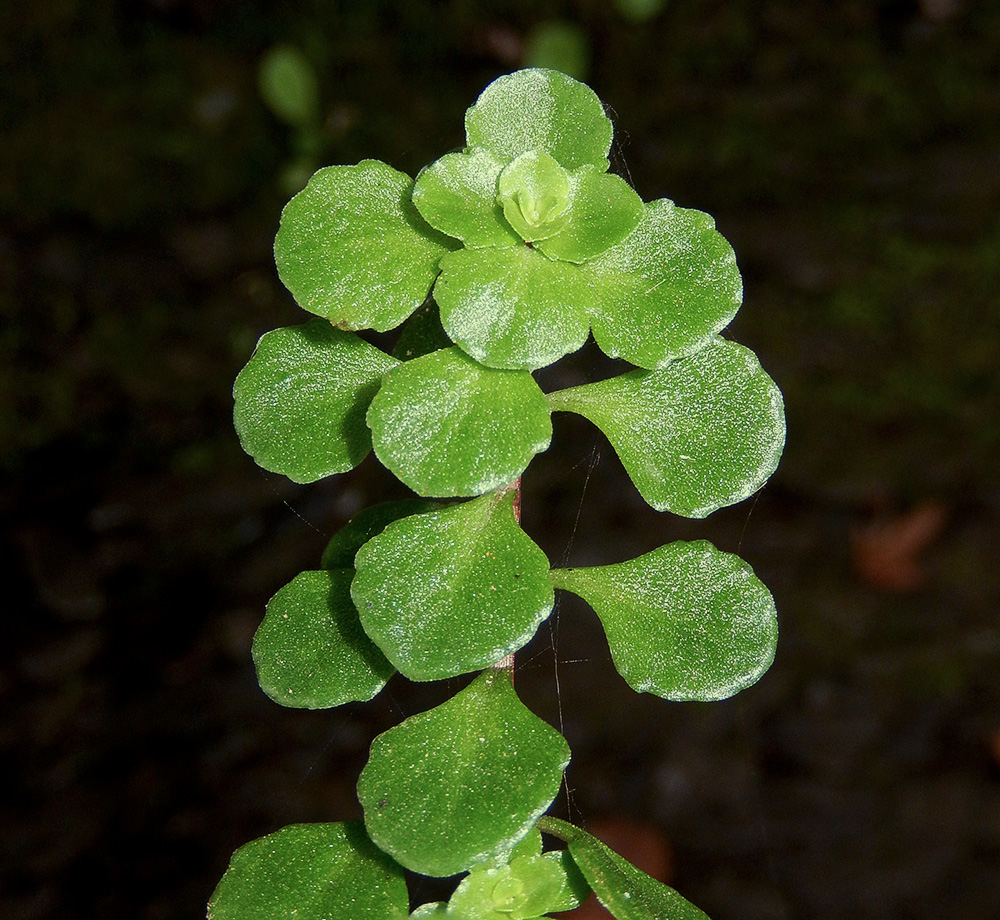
[(334, 871), (704, 431), (437, 591)]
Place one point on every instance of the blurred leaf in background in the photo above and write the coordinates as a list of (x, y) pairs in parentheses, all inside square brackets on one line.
[(559, 45), (639, 10), (289, 86)]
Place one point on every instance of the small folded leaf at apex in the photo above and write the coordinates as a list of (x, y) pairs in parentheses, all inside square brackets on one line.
[(353, 249), (523, 889), (536, 195), (539, 108)]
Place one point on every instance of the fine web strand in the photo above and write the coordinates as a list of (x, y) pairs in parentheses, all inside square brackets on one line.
[(743, 532), (756, 790), (619, 165), (274, 489), (760, 813), (304, 520), (595, 458)]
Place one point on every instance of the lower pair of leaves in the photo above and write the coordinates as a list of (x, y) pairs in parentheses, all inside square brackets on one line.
[(335, 872), (435, 591)]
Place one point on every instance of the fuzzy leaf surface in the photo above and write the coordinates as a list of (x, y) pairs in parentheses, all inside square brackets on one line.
[(511, 307), (447, 426), (684, 622), (701, 433), (433, 909), (464, 782), (452, 591), (538, 108), (353, 249), (627, 892), (666, 289), (311, 872), (310, 650), (301, 400), (457, 195), (367, 523), (605, 210)]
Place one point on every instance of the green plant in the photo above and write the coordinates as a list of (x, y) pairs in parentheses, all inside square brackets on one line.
[(497, 261)]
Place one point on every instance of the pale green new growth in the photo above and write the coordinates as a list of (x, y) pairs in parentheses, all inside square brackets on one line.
[(496, 262)]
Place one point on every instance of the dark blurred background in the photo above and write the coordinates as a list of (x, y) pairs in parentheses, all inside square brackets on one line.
[(849, 150)]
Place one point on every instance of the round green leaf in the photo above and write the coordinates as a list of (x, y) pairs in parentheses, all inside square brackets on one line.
[(541, 108), (684, 622), (310, 650), (666, 289), (353, 249), (311, 872), (703, 432), (447, 426), (464, 782), (302, 397), (639, 10), (451, 591), (511, 307), (605, 211), (627, 892), (367, 523), (457, 195)]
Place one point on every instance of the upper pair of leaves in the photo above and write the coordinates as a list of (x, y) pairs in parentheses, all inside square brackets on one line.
[(700, 433), (553, 244)]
